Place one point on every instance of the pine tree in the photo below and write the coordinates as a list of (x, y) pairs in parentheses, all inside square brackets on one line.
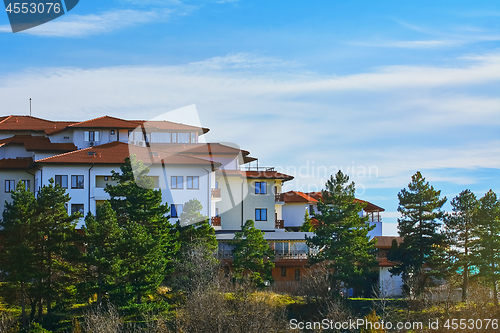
[(307, 226), (148, 243), (420, 208), (101, 234), (253, 259), (17, 254), (459, 231), (56, 235), (196, 260), (487, 244), (342, 236)]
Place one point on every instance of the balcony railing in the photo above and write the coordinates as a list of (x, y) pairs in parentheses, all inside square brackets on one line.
[(277, 255), (279, 197), (216, 221), (291, 255), (216, 193), (279, 224)]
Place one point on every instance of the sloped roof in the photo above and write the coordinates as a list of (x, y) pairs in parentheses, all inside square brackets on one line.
[(106, 122), (116, 152), (169, 125), (314, 197), (15, 163), (201, 148), (29, 123), (37, 143), (296, 196), (258, 174), (386, 241)]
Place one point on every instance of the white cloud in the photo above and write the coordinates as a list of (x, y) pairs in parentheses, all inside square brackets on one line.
[(382, 118), (86, 25), (241, 61), (412, 44)]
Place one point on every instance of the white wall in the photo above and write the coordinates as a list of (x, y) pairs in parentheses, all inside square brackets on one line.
[(293, 214), (390, 285)]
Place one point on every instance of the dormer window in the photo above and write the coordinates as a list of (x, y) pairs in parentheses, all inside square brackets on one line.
[(92, 136)]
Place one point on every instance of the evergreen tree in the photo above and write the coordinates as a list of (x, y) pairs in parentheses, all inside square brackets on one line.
[(307, 226), (487, 244), (101, 234), (459, 231), (17, 255), (196, 260), (420, 208), (253, 259), (342, 236), (148, 243), (55, 242)]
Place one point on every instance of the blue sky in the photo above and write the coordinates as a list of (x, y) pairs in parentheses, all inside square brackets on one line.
[(379, 89)]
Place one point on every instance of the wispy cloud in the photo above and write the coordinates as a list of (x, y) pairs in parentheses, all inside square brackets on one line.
[(392, 118), (242, 61), (86, 25), (411, 44)]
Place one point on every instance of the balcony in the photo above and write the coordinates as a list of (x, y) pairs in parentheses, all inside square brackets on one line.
[(279, 224), (216, 193), (279, 198), (216, 221), (291, 255), (374, 217)]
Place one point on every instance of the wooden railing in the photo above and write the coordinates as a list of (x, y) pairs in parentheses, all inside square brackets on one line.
[(216, 193), (279, 197), (216, 221), (279, 224)]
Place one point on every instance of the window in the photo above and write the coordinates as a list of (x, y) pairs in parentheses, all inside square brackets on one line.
[(183, 138), (62, 180), (175, 210), (158, 137), (92, 136), (77, 182), (174, 137), (26, 184), (10, 186), (283, 271), (193, 182), (76, 208), (311, 210), (297, 274), (176, 182), (261, 214), (193, 137), (260, 188)]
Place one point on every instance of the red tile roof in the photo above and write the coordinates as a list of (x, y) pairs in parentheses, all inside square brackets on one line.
[(258, 174), (296, 196), (29, 123), (202, 148), (385, 242), (37, 143), (168, 125), (313, 197), (13, 164), (116, 152), (106, 122)]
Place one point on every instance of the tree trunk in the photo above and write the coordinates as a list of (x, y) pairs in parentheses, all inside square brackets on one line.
[(495, 293), (465, 283), (23, 305)]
